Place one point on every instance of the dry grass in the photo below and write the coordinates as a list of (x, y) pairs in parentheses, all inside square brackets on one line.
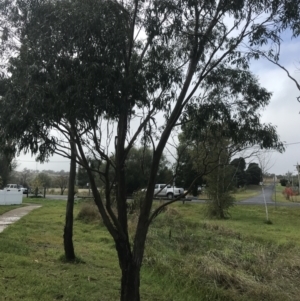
[(88, 212)]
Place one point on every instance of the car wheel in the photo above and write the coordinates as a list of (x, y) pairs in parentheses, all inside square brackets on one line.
[(170, 196)]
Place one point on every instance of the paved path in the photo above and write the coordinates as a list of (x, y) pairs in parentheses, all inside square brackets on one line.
[(12, 216)]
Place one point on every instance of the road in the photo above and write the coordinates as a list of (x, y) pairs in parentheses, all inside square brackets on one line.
[(257, 200)]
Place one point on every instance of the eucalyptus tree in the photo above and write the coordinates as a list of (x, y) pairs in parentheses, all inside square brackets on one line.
[(54, 82), (224, 121), (90, 72)]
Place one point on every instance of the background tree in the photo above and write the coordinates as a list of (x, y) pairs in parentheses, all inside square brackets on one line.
[(283, 182), (225, 111), (36, 186), (239, 177), (24, 176), (62, 182), (219, 177), (138, 165), (219, 190), (46, 180), (253, 174), (187, 174)]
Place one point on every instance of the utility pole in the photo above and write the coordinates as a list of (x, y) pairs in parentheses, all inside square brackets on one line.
[(298, 169), (275, 187)]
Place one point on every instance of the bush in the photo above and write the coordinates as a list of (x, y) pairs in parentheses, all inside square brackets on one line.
[(283, 182), (89, 213), (218, 206)]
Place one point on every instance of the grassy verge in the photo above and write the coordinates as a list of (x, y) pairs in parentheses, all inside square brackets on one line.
[(187, 258), (247, 192), (241, 193)]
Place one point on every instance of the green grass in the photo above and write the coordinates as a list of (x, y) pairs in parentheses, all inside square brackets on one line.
[(241, 193), (187, 257), (247, 192), (5, 208)]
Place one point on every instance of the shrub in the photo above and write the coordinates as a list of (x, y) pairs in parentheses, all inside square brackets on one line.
[(218, 206), (283, 182), (288, 192), (89, 213)]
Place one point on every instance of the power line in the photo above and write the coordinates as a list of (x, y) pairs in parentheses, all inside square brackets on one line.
[(291, 143), (42, 162)]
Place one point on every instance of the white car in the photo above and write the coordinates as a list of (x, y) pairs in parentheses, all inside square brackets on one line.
[(168, 191), (15, 187)]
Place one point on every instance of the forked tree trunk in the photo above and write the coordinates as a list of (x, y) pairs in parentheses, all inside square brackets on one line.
[(130, 282), (68, 229)]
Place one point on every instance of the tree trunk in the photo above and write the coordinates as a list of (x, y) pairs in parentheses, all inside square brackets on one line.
[(68, 229), (130, 282)]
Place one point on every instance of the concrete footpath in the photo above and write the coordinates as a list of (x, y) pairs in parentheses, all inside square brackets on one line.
[(14, 215)]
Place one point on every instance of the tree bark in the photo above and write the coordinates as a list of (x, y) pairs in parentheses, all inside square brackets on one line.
[(130, 281), (68, 229)]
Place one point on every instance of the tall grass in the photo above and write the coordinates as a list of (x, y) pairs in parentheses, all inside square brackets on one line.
[(218, 260), (187, 257)]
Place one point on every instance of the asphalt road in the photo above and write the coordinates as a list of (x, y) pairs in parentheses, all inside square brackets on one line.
[(257, 200)]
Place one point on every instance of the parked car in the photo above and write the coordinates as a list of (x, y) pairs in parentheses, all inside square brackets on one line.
[(15, 187), (168, 191)]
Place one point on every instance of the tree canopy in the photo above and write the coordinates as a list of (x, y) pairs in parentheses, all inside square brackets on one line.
[(253, 174)]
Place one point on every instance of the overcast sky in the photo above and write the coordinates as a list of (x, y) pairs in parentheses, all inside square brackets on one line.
[(283, 111)]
